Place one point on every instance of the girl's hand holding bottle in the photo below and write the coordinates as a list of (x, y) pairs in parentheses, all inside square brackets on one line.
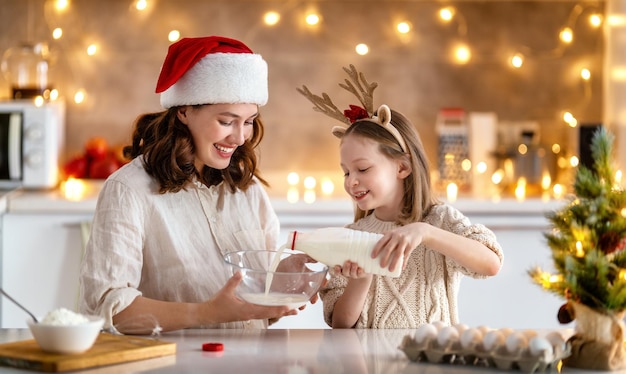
[(351, 270), (399, 243)]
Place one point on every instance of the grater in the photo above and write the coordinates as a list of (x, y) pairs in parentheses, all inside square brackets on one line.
[(453, 148)]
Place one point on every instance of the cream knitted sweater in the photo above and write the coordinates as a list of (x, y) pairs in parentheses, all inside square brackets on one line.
[(427, 289)]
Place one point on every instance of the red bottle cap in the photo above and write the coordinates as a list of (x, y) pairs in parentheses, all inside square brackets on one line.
[(293, 239), (212, 347)]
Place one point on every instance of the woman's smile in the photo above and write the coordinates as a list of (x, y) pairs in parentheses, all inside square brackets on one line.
[(224, 151)]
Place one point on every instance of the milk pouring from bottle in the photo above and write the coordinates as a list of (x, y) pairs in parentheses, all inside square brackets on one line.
[(336, 245)]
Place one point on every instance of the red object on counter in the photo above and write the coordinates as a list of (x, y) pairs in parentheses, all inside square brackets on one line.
[(212, 347), (101, 169), (96, 148), (77, 167)]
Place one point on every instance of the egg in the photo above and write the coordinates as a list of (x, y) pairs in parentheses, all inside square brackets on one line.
[(460, 327), (425, 333), (506, 331), (555, 338), (471, 337), (447, 336), (492, 340), (557, 341), (484, 329), (439, 325), (537, 344), (515, 342), (530, 333)]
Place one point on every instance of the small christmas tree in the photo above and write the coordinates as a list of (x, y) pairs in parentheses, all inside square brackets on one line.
[(587, 241)]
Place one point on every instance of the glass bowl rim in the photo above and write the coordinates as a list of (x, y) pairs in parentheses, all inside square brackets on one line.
[(310, 272)]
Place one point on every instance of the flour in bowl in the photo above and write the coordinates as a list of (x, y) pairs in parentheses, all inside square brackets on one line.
[(64, 317)]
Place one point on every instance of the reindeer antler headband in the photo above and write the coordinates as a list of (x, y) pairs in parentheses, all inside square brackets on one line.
[(363, 90)]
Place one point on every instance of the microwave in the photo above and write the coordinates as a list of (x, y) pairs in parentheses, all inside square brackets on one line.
[(32, 139)]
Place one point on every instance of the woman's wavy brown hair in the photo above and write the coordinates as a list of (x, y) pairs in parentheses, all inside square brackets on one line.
[(169, 153)]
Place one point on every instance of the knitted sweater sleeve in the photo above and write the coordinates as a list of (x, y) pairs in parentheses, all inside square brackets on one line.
[(451, 219)]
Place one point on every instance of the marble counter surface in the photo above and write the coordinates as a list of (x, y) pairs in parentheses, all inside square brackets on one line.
[(5, 196), (57, 200), (54, 200), (281, 351)]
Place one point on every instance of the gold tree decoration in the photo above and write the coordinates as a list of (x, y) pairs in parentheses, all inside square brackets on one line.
[(587, 241)]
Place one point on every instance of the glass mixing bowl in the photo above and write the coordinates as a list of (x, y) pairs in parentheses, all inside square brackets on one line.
[(274, 278)]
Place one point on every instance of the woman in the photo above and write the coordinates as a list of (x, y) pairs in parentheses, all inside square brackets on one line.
[(190, 194)]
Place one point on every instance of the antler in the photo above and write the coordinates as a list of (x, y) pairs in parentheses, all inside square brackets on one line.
[(366, 96), (357, 85), (324, 105)]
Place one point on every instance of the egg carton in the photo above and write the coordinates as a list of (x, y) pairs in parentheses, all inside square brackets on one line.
[(503, 349)]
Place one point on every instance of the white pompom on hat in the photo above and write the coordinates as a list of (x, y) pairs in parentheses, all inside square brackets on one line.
[(212, 70)]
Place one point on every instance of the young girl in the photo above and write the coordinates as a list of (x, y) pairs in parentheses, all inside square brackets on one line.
[(388, 177)]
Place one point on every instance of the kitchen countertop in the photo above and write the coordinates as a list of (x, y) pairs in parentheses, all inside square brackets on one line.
[(4, 199), (20, 200), (54, 200), (505, 213), (290, 351), (281, 351)]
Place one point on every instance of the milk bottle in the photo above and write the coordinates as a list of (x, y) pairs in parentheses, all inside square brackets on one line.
[(335, 245)]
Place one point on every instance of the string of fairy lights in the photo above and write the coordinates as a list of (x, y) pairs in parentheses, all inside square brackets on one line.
[(460, 53)]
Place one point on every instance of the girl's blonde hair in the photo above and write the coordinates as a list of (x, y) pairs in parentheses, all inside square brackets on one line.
[(418, 196)]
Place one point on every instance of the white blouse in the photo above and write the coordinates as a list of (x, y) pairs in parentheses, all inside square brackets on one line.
[(168, 246)]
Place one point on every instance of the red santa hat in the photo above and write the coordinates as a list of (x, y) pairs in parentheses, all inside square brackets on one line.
[(212, 70)]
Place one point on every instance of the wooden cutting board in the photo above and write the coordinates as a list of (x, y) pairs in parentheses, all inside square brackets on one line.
[(107, 350)]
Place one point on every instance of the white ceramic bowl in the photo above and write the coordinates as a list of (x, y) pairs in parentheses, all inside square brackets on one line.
[(294, 282), (66, 339)]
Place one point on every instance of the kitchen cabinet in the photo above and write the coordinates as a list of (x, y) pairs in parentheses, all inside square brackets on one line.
[(41, 255), (41, 250), (510, 299)]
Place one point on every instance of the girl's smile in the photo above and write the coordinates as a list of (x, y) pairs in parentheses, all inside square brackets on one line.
[(360, 195), (372, 179)]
